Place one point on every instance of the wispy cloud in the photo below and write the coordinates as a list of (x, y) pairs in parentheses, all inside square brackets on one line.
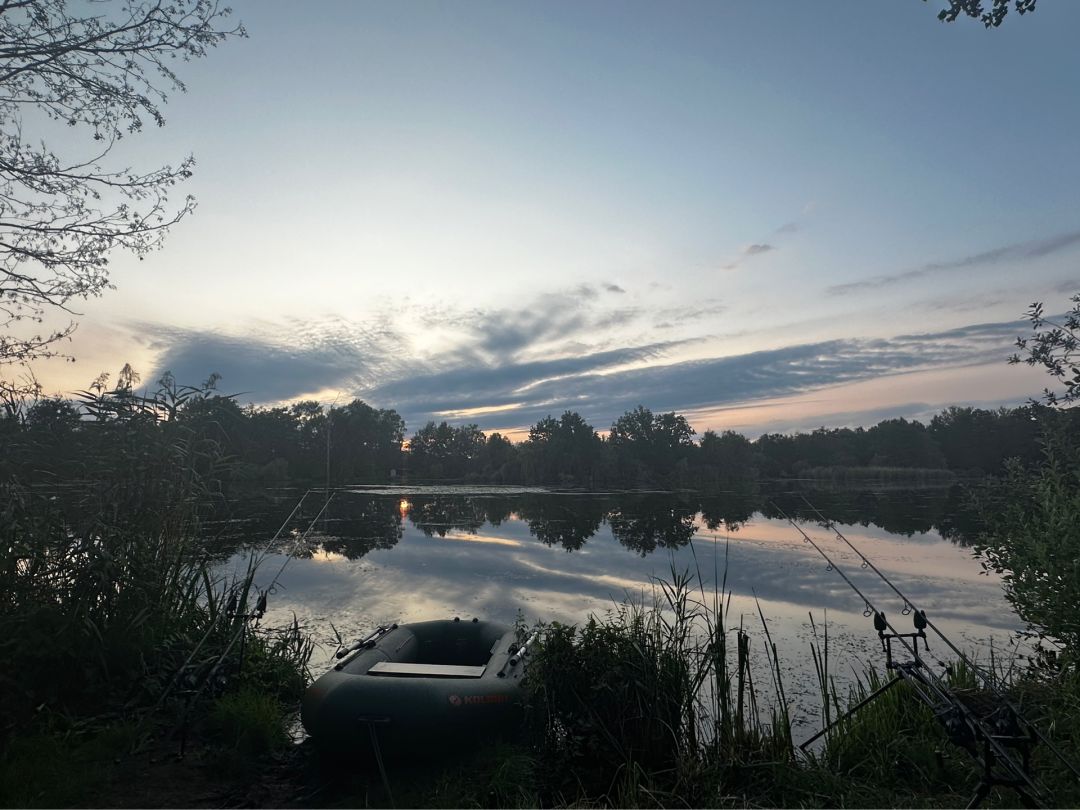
[(758, 248), (749, 251), (1019, 252)]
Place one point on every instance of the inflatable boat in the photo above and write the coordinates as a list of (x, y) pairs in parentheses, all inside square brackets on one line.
[(420, 688)]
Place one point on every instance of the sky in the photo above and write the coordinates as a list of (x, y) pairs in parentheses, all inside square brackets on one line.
[(767, 216)]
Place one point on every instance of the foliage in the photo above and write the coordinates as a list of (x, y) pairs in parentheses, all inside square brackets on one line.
[(647, 445), (101, 73), (563, 449), (991, 18), (1033, 539), (108, 598), (445, 451), (644, 704), (1056, 349), (1033, 516)]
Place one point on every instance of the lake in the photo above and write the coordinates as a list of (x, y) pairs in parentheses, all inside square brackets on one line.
[(374, 555)]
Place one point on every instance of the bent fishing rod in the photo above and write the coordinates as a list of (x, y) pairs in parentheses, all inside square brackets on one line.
[(928, 678), (987, 677)]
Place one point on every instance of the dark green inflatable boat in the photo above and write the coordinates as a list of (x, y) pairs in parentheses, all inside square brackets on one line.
[(420, 687)]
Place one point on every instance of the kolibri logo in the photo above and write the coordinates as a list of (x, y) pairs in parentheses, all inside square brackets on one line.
[(475, 700)]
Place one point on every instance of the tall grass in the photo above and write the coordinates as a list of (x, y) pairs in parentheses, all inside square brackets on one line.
[(655, 702), (112, 612)]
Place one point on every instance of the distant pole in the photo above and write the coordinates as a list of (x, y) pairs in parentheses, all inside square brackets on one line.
[(329, 421)]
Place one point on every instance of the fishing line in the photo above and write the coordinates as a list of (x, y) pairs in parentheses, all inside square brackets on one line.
[(987, 676), (273, 583), (928, 678), (213, 624)]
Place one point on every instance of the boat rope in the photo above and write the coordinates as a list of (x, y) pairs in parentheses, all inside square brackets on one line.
[(988, 677), (926, 677)]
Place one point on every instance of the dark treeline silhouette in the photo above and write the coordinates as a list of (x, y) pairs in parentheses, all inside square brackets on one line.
[(647, 450), (357, 443)]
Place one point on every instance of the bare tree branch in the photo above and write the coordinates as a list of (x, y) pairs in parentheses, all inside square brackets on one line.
[(100, 69)]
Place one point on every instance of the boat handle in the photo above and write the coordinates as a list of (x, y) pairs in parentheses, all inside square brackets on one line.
[(382, 629), (523, 650)]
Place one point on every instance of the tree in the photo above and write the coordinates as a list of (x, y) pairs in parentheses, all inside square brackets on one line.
[(1056, 349), (101, 71), (900, 443), (366, 442), (565, 449), (652, 442), (730, 454), (1033, 534), (444, 451), (999, 9)]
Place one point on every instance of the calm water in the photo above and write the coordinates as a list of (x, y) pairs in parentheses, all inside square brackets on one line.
[(383, 555)]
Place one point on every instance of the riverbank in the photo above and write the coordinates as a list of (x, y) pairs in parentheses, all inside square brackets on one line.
[(653, 704)]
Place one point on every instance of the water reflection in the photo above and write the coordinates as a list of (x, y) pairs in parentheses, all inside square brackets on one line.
[(356, 523), (646, 524), (369, 558)]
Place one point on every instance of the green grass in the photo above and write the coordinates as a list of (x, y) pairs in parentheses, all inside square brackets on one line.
[(244, 728), (114, 618), (50, 768), (655, 704)]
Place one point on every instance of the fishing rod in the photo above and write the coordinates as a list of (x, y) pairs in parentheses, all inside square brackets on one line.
[(928, 678), (273, 583), (213, 624), (988, 677)]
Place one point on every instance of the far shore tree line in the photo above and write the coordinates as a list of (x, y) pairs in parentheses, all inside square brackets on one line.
[(357, 443)]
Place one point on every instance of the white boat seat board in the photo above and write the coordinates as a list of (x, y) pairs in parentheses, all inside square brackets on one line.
[(425, 670)]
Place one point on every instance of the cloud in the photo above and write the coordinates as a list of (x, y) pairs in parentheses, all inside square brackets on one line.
[(614, 288), (546, 323), (749, 251), (522, 365), (757, 248), (426, 395), (1019, 252), (671, 317), (270, 369), (597, 388)]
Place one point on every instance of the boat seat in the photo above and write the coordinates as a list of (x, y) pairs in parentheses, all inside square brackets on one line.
[(406, 670)]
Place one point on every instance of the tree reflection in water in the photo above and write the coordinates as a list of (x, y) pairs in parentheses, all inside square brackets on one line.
[(355, 523)]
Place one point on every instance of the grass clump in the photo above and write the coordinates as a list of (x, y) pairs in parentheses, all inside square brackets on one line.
[(650, 704), (62, 768), (247, 726)]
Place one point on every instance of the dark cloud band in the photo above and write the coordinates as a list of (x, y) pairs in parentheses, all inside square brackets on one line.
[(600, 385)]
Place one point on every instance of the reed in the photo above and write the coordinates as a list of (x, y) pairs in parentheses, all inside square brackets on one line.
[(113, 614), (654, 702)]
